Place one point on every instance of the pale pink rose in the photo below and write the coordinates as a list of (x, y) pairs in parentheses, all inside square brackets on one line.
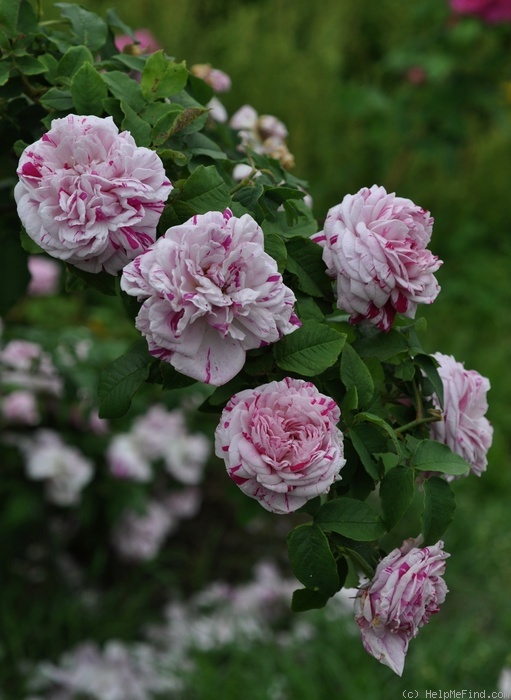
[(139, 537), (89, 195), (44, 274), (185, 503), (464, 427), (145, 42), (217, 79), (210, 294), (406, 589), (25, 365), (64, 469), (281, 444), (126, 459), (20, 407), (374, 245), (263, 134), (217, 110), (488, 10)]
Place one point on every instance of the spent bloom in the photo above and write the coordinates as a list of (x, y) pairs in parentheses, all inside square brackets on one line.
[(488, 10), (374, 245), (464, 427), (406, 590), (210, 293), (64, 469), (89, 195), (280, 443)]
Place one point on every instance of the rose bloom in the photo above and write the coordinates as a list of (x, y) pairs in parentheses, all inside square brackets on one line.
[(25, 365), (139, 537), (281, 444), (406, 589), (127, 460), (374, 245), (89, 195), (145, 42), (20, 407), (210, 294), (464, 427), (488, 10)]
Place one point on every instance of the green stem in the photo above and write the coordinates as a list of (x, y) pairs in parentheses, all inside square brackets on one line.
[(434, 416)]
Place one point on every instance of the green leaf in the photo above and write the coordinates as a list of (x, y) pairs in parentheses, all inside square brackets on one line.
[(283, 194), (5, 71), (101, 281), (125, 89), (29, 65), (350, 518), (354, 373), (433, 456), (172, 379), (312, 561), (381, 423), (138, 128), (383, 346), (396, 493), (249, 196), (429, 366), (162, 77), (29, 244), (190, 120), (310, 350), (305, 262), (308, 599), (358, 442), (57, 99), (88, 28), (164, 126), (275, 246), (200, 145), (73, 60), (439, 507), (118, 382), (205, 191), (306, 308), (88, 91), (51, 65), (9, 13)]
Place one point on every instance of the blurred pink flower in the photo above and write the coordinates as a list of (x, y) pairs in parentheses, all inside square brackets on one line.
[(139, 537), (88, 195), (281, 444), (407, 588), (126, 459), (374, 244), (20, 407), (45, 276), (210, 294), (488, 10), (25, 365), (217, 79), (464, 427), (145, 42), (64, 469)]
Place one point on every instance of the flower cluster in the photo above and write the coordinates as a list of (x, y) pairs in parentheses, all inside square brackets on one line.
[(263, 134)]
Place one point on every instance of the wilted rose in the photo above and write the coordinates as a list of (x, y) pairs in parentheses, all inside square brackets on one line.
[(89, 195), (464, 427), (210, 294), (281, 444), (406, 590), (374, 245)]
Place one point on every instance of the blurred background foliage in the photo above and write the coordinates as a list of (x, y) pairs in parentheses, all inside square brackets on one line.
[(408, 96)]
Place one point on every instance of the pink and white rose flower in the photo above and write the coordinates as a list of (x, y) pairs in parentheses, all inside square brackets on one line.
[(407, 588), (89, 195), (281, 444), (488, 10), (374, 245), (464, 427), (210, 293), (20, 407), (140, 536)]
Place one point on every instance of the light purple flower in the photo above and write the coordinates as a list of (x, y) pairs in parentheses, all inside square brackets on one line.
[(217, 79), (64, 469), (127, 460), (488, 10), (406, 590), (210, 294), (281, 444), (25, 365), (89, 195), (464, 427), (139, 537), (20, 407), (45, 275), (374, 245), (146, 42)]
